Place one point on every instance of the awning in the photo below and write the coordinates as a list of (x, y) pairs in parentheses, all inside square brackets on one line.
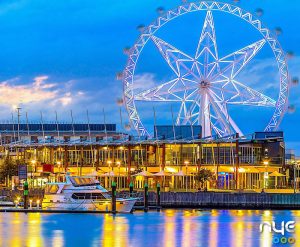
[(143, 174), (251, 170), (162, 174), (108, 174), (276, 174), (93, 174), (267, 169), (181, 173)]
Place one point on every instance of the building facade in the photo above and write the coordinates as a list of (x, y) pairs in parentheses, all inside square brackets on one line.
[(85, 149)]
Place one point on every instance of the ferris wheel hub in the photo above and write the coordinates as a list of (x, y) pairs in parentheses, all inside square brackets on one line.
[(204, 84)]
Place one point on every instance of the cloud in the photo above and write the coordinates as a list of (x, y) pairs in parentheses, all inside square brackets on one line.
[(144, 81), (36, 91), (40, 93), (261, 75)]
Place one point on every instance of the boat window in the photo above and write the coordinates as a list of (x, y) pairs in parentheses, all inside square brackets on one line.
[(51, 188), (94, 196)]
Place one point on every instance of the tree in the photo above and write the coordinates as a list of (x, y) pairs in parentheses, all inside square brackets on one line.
[(203, 176), (8, 169)]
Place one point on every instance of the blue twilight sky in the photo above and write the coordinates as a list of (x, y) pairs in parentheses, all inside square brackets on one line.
[(63, 55)]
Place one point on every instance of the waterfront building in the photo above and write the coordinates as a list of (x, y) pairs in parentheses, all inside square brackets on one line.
[(49, 150)]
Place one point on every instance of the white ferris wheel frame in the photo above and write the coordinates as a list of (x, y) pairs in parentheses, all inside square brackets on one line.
[(148, 33)]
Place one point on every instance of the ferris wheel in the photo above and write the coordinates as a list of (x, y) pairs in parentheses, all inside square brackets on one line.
[(205, 85)]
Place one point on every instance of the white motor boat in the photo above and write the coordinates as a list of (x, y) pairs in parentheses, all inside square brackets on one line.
[(5, 202), (82, 193)]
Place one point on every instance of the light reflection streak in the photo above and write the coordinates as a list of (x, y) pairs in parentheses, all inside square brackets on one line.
[(265, 236), (213, 229), (58, 238), (169, 226), (34, 230), (14, 230), (237, 227), (115, 231)]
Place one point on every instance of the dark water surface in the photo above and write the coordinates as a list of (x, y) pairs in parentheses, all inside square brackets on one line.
[(165, 228)]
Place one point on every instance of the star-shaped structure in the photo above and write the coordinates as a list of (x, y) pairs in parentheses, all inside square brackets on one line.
[(205, 84)]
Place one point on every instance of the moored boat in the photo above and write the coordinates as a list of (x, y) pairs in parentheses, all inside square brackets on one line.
[(82, 193)]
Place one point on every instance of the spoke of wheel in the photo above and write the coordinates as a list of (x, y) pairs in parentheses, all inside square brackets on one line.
[(224, 115), (232, 64), (207, 51), (173, 90), (177, 60), (221, 117), (244, 95), (189, 112)]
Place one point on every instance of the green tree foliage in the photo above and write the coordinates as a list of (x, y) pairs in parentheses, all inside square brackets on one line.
[(8, 168), (203, 176)]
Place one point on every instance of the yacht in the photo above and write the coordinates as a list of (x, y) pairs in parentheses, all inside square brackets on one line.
[(82, 193)]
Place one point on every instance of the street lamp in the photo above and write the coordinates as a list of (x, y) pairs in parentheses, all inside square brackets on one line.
[(266, 175), (33, 163), (109, 164), (59, 165)]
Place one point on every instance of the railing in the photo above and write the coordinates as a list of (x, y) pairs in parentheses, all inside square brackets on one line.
[(225, 200)]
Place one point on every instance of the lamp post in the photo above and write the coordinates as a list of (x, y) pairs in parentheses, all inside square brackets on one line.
[(59, 165), (266, 175), (186, 167), (118, 164), (109, 166)]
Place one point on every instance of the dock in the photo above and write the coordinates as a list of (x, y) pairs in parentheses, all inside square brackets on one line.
[(196, 200)]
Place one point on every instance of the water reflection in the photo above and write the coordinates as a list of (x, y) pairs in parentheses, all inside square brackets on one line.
[(167, 228)]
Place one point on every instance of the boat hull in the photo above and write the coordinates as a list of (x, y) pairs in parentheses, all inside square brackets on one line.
[(122, 205)]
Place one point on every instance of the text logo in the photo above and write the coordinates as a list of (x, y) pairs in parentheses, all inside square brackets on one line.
[(281, 228)]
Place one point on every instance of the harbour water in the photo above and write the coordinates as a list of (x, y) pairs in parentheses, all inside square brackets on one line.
[(165, 228)]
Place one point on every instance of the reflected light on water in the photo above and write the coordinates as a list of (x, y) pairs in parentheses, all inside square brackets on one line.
[(58, 238), (266, 236), (237, 228), (169, 233), (15, 240), (167, 228), (213, 231), (114, 231), (34, 230)]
